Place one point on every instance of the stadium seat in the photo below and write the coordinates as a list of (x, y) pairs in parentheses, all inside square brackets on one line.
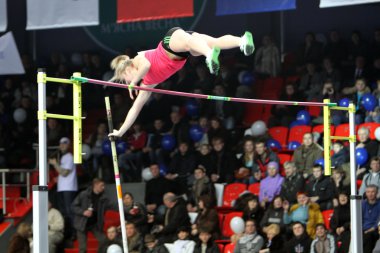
[(254, 188), (327, 214), (359, 183), (343, 130), (221, 247), (232, 192), (280, 134), (371, 127), (319, 129), (111, 218), (314, 111), (229, 248), (227, 231), (252, 113), (296, 133)]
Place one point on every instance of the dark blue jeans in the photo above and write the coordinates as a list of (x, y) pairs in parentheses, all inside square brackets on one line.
[(65, 198)]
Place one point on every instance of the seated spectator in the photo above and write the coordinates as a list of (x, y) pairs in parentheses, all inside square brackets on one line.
[(320, 189), (340, 155), (224, 110), (202, 186), (304, 211), (373, 116), (203, 157), (371, 214), (56, 225), (251, 241), (19, 242), (311, 82), (273, 241), (217, 130), (183, 244), (152, 246), (274, 214), (247, 171), (153, 147), (306, 154), (271, 185), (364, 141), (300, 241), (340, 183), (206, 243), (207, 218), (135, 212), (323, 242), (336, 48), (293, 183), (224, 162), (267, 58), (330, 73), (134, 238), (263, 156), (372, 177), (253, 210), (54, 131), (111, 238), (340, 222), (377, 246), (155, 190), (310, 50)]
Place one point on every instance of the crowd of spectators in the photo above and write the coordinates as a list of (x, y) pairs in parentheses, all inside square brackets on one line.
[(286, 216)]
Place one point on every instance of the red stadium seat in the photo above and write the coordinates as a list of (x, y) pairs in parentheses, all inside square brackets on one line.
[(221, 247), (229, 248), (296, 133), (280, 134), (319, 129), (227, 231), (232, 192), (252, 113), (343, 130), (254, 188), (371, 127), (359, 183), (327, 214), (314, 111)]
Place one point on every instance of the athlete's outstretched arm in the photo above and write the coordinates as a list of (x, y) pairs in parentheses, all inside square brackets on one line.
[(143, 66), (141, 99)]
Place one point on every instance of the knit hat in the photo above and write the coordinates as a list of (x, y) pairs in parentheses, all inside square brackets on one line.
[(273, 165)]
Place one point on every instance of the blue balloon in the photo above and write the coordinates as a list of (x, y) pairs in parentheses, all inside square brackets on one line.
[(121, 147), (106, 148), (361, 155), (293, 145), (369, 102), (196, 133), (192, 108), (304, 117), (163, 169), (296, 123), (344, 102), (321, 162), (246, 77), (168, 142), (273, 144)]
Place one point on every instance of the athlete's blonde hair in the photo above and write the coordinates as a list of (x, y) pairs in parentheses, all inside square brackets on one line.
[(118, 64)]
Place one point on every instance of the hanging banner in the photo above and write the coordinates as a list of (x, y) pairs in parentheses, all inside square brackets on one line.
[(141, 10), (10, 61), (45, 14), (335, 3), (228, 7), (3, 15)]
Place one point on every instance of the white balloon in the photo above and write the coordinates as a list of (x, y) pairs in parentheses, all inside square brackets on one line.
[(19, 115), (237, 225), (258, 128), (86, 150), (248, 132), (377, 133), (114, 248), (146, 174)]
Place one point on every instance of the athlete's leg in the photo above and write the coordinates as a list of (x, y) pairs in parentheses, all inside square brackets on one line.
[(181, 41)]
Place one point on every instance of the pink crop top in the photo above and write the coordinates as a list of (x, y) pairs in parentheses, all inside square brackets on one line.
[(162, 67)]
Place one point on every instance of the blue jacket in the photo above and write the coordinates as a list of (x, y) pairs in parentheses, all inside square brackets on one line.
[(371, 214)]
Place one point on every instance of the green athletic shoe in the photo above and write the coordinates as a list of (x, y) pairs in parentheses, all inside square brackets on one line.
[(247, 46), (212, 61)]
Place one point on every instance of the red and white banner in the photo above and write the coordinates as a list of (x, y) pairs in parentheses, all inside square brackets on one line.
[(335, 3), (45, 14), (10, 61), (141, 10), (3, 15)]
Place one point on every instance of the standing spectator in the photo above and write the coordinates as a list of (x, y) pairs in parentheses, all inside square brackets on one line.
[(19, 243), (310, 50), (183, 244), (67, 183), (251, 241), (372, 177), (273, 242), (293, 183), (320, 189), (56, 227), (323, 242), (112, 238), (300, 241), (340, 222), (263, 156), (135, 213), (305, 212), (133, 237), (223, 162), (271, 185), (267, 58), (206, 243), (155, 189), (89, 208), (306, 154), (152, 246), (371, 214), (336, 48), (274, 214)]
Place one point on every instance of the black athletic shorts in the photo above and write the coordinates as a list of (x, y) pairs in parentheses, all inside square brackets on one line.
[(166, 41)]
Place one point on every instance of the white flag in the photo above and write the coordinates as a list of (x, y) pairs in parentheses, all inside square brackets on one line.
[(45, 14), (3, 15), (334, 3), (10, 61)]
